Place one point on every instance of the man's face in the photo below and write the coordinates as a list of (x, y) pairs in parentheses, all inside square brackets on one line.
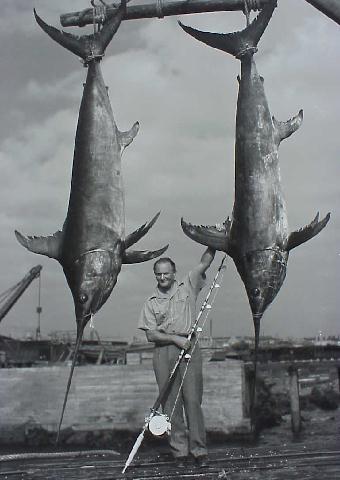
[(164, 275)]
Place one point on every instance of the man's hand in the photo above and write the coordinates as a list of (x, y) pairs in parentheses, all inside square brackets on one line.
[(182, 342), (161, 338)]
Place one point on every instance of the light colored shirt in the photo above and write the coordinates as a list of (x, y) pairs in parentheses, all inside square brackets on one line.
[(174, 311)]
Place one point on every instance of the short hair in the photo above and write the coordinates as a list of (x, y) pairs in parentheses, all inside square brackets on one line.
[(165, 260)]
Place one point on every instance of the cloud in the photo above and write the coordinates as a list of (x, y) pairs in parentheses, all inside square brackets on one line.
[(182, 161)]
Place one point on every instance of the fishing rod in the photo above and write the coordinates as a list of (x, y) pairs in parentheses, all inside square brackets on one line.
[(158, 423)]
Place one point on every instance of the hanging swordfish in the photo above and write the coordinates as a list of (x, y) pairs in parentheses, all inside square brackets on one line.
[(92, 245), (257, 236)]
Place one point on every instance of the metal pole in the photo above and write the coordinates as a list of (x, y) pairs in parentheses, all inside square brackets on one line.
[(159, 9), (39, 310)]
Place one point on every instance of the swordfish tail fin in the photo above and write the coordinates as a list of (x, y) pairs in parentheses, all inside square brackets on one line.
[(238, 43), (87, 46), (80, 331)]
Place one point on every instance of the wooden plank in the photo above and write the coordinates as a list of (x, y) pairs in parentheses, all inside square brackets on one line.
[(116, 397), (254, 465)]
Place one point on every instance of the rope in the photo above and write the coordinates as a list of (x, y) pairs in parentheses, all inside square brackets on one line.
[(254, 4), (159, 9), (206, 307), (247, 8)]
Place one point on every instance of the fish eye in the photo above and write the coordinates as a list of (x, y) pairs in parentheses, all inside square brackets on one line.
[(256, 292), (83, 298)]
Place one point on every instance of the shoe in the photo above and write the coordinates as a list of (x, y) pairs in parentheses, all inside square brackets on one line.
[(201, 461), (181, 462)]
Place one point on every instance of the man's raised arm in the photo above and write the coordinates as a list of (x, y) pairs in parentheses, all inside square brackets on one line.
[(206, 260)]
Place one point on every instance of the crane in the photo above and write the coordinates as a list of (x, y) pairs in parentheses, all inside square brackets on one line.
[(12, 295)]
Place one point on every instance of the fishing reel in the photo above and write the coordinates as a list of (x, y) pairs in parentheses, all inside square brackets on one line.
[(158, 424)]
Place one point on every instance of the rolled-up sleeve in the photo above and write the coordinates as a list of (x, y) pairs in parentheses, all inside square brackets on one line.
[(147, 320)]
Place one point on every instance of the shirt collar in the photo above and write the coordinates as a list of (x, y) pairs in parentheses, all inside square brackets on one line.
[(161, 295)]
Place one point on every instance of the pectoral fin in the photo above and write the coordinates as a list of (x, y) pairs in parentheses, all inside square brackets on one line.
[(140, 232), (49, 246), (215, 237), (134, 256), (306, 233)]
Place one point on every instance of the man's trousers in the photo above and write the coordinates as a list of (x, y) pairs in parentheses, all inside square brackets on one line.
[(193, 438)]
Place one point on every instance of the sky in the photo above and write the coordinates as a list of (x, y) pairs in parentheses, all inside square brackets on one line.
[(184, 95)]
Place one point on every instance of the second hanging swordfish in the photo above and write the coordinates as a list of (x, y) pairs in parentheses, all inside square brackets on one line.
[(257, 236)]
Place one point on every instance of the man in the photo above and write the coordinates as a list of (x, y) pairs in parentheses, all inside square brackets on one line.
[(167, 317)]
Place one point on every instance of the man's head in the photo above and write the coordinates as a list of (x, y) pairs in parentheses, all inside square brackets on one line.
[(165, 272)]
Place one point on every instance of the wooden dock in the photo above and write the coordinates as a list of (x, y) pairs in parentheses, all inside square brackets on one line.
[(235, 464)]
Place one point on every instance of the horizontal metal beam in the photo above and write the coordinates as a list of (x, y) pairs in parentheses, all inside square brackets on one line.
[(160, 9)]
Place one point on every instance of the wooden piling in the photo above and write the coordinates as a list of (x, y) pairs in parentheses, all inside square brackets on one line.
[(160, 9), (294, 398), (249, 375)]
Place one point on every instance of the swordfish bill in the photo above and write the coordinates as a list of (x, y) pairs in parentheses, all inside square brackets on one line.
[(257, 236), (91, 247)]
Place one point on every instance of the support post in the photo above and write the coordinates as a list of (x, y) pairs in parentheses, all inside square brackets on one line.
[(160, 9), (294, 398), (249, 376)]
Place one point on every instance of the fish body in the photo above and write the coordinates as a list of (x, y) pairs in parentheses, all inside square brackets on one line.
[(259, 229), (92, 245), (257, 236)]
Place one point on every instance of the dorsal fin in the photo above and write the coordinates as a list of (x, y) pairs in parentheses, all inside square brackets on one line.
[(285, 129), (49, 246), (125, 138), (134, 256), (216, 237)]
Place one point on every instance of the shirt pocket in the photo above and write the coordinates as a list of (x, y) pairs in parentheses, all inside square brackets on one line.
[(160, 316), (181, 303)]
